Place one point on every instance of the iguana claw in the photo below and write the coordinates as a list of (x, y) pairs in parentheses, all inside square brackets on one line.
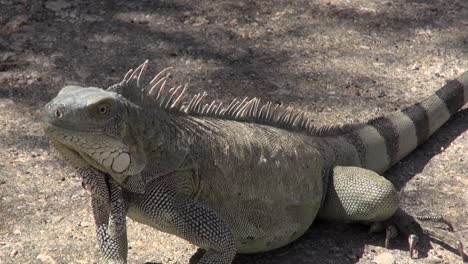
[(412, 241), (460, 250), (83, 184), (390, 233)]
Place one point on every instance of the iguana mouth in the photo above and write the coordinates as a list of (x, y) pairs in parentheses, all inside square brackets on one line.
[(76, 157), (51, 125), (56, 134)]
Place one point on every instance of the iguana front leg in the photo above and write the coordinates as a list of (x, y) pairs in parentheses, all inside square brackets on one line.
[(109, 211), (173, 210)]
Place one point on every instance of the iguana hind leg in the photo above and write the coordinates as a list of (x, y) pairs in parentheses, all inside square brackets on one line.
[(358, 195)]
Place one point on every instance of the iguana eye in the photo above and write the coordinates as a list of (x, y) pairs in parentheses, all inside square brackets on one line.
[(103, 109)]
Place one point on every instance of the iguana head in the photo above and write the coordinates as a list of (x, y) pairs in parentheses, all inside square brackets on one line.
[(89, 125)]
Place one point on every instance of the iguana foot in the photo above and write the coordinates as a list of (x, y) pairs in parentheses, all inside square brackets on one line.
[(444, 237), (411, 228), (391, 231), (436, 218)]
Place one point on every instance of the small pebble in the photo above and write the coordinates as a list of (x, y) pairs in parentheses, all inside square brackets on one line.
[(416, 66), (13, 253), (381, 94), (384, 258), (43, 258)]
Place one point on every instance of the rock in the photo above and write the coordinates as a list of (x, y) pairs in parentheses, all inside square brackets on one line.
[(6, 56), (200, 21), (13, 253), (46, 259), (14, 24), (233, 22), (57, 6), (384, 258), (416, 66)]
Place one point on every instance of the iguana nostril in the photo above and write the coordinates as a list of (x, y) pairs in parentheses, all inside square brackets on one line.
[(58, 113)]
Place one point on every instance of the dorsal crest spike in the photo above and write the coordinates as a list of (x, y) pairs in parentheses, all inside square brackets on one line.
[(159, 75), (156, 95), (142, 70), (179, 98), (161, 90), (136, 74), (192, 102), (127, 75)]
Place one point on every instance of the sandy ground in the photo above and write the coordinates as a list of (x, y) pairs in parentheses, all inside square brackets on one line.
[(341, 60)]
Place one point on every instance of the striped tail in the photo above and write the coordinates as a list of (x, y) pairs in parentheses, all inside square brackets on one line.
[(384, 141)]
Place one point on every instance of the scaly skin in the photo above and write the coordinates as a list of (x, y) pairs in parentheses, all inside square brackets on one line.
[(238, 181)]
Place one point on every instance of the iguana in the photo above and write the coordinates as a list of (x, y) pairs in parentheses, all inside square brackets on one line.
[(243, 177)]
